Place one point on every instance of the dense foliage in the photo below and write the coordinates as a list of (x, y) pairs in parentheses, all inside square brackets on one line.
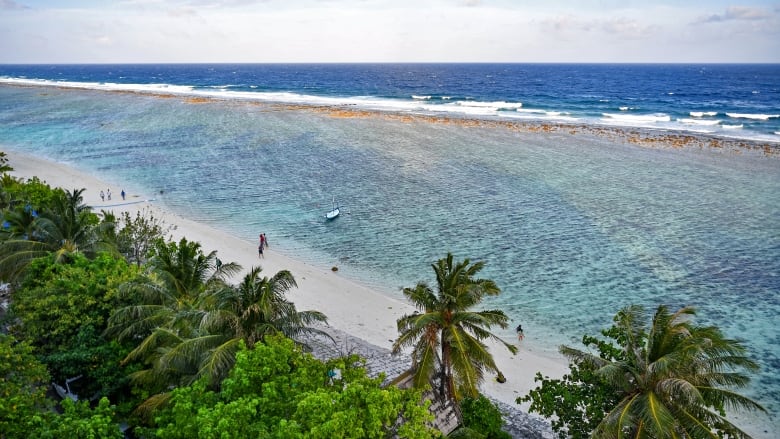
[(62, 309), (23, 384), (277, 390), (483, 416), (668, 378), (57, 300), (63, 226)]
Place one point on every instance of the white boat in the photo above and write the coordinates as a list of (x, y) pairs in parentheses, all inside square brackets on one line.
[(333, 214), (336, 211)]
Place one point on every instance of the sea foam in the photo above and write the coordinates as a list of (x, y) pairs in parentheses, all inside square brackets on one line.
[(640, 118), (752, 116), (499, 105), (699, 121)]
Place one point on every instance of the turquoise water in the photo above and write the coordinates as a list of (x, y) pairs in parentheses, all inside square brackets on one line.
[(571, 227)]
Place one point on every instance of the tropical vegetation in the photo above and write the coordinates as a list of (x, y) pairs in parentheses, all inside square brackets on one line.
[(191, 321), (447, 335), (276, 390), (664, 378)]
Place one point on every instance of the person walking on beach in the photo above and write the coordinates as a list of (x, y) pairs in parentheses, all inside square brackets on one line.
[(520, 335), (108, 194), (260, 251), (262, 240), (265, 241), (123, 195), (102, 196)]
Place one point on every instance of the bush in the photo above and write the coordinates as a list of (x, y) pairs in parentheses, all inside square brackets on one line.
[(483, 416)]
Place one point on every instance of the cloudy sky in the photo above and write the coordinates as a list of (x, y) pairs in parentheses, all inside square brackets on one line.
[(153, 31)]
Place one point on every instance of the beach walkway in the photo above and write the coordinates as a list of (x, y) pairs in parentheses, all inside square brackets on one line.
[(518, 424)]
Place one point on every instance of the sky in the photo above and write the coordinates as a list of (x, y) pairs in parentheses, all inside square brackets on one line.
[(334, 31)]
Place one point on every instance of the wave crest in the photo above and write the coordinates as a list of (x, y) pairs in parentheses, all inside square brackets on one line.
[(703, 113), (752, 116)]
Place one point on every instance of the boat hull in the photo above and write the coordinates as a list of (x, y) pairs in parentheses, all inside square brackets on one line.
[(332, 214)]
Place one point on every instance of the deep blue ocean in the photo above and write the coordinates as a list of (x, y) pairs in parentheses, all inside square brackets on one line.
[(572, 225), (731, 100)]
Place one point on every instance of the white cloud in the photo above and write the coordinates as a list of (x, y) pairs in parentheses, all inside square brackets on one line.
[(385, 31), (568, 26), (11, 5), (740, 13)]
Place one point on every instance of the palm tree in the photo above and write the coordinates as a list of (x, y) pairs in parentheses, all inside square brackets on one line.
[(447, 337), (257, 308), (191, 321), (18, 223), (65, 227), (250, 312), (169, 303), (675, 377)]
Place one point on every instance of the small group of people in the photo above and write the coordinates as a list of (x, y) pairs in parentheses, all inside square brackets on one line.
[(107, 195), (263, 244)]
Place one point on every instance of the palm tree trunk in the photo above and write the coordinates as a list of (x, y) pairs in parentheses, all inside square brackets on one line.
[(447, 384)]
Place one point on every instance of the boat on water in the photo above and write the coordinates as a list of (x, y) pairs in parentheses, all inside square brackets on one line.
[(335, 212)]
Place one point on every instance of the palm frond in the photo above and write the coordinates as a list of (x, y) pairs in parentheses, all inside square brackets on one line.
[(160, 337), (656, 417), (425, 358), (147, 408), (217, 364)]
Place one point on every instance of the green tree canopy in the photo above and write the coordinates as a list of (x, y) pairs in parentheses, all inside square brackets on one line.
[(23, 384), (56, 300), (276, 390), (62, 309)]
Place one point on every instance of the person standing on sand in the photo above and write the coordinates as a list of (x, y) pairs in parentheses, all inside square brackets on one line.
[(262, 240), (265, 241), (102, 196), (108, 194), (123, 195), (520, 335), (260, 251)]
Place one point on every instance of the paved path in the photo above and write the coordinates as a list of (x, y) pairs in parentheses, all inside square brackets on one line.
[(518, 424)]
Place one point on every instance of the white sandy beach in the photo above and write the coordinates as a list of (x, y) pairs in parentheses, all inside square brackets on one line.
[(349, 306)]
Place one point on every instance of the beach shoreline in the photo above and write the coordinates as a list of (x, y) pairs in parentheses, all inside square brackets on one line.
[(350, 307)]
